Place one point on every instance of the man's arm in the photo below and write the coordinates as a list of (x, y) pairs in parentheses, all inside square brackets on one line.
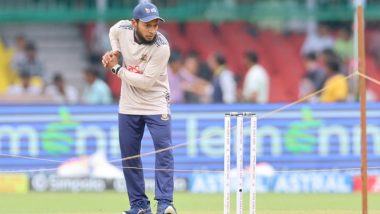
[(114, 40), (155, 67), (114, 36)]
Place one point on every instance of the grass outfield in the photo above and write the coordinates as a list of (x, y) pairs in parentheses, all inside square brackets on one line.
[(186, 203)]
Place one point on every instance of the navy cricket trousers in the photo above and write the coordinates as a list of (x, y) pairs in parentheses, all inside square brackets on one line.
[(131, 131)]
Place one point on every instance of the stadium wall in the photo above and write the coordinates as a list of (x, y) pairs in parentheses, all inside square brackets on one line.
[(303, 137)]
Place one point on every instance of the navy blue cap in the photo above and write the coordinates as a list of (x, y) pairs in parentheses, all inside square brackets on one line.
[(146, 12)]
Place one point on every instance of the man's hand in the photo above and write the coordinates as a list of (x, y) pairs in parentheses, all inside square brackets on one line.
[(110, 59)]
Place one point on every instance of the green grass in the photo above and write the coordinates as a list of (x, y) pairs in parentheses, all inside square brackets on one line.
[(186, 203)]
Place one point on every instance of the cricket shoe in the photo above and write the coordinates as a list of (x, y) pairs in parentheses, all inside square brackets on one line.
[(141, 207), (165, 207)]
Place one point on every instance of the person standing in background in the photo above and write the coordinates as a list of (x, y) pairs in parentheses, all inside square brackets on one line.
[(30, 63), (19, 55), (313, 79), (175, 77), (318, 38), (344, 45), (223, 82), (256, 82), (336, 84), (96, 91)]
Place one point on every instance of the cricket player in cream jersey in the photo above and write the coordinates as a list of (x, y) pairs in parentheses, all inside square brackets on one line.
[(144, 101)]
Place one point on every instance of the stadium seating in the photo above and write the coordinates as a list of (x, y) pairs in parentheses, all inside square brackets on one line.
[(280, 57)]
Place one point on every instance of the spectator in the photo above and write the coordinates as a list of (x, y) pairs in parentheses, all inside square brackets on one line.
[(313, 79), (329, 55), (185, 85), (19, 55), (201, 68), (25, 87), (96, 90), (175, 78), (195, 87), (318, 38), (336, 84), (224, 85), (256, 82), (60, 92), (31, 62), (344, 45)]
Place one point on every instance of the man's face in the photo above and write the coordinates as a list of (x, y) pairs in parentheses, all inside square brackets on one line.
[(146, 30), (191, 63)]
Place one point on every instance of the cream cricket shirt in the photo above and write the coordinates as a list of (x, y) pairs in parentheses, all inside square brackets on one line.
[(145, 85)]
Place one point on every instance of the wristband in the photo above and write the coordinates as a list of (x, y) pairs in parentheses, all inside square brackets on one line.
[(115, 69)]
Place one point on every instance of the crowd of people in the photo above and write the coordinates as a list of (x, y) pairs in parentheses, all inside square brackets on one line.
[(192, 80), (24, 79), (328, 61), (327, 55), (195, 81)]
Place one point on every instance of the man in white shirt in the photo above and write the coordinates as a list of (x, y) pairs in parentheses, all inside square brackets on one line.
[(61, 92), (144, 101), (318, 38), (256, 82)]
